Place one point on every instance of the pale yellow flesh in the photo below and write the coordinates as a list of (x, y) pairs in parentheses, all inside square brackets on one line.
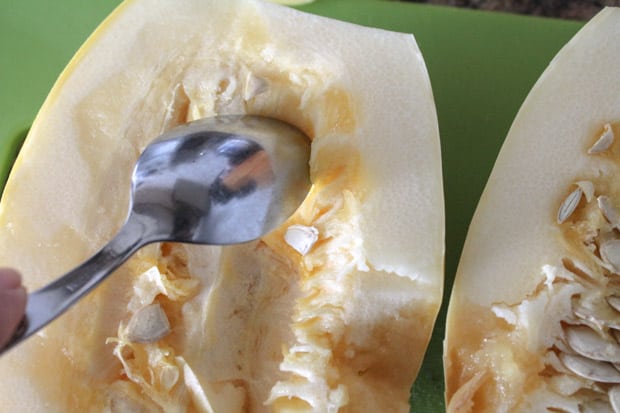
[(343, 328), (491, 365)]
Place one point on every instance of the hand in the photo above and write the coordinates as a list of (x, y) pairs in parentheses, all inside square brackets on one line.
[(12, 303)]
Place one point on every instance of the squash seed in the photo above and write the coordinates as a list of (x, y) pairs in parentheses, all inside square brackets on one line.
[(614, 302), (604, 141), (569, 205), (254, 86), (590, 369), (588, 189), (608, 210), (301, 238), (148, 324), (595, 406), (586, 342), (566, 384), (610, 253), (614, 398), (596, 313)]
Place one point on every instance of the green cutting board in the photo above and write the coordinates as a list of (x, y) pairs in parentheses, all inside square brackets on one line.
[(481, 66)]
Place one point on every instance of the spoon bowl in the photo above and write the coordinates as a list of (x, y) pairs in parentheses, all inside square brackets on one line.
[(223, 180), (218, 181)]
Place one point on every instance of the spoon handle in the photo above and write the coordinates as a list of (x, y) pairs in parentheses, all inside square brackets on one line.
[(46, 304)]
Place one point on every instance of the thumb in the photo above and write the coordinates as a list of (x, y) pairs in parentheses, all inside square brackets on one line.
[(12, 304)]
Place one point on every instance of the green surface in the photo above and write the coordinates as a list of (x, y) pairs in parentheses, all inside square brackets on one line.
[(481, 66)]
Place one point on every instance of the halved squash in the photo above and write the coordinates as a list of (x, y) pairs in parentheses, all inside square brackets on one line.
[(533, 320), (332, 312)]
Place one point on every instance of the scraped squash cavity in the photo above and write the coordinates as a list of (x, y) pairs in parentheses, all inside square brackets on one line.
[(534, 317), (332, 312)]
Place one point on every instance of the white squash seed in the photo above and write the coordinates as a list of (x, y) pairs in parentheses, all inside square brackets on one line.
[(588, 189), (569, 205), (596, 313), (302, 238), (595, 406), (148, 325), (599, 371), (604, 141), (608, 210), (614, 398), (610, 253), (588, 343), (614, 302)]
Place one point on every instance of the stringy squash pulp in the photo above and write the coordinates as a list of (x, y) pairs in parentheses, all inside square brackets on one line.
[(534, 317), (330, 313)]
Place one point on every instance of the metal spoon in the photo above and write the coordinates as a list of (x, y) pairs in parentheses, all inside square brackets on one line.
[(222, 180)]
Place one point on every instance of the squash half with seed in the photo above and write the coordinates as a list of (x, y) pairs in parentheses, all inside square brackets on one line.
[(534, 317), (332, 312)]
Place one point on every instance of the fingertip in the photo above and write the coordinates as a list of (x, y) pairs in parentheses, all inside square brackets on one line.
[(21, 296), (10, 278), (12, 307)]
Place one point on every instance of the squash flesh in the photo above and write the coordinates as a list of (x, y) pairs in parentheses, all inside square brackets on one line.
[(362, 301), (521, 270)]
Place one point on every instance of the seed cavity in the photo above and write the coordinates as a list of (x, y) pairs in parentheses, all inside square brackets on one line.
[(569, 205), (603, 142), (583, 363)]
